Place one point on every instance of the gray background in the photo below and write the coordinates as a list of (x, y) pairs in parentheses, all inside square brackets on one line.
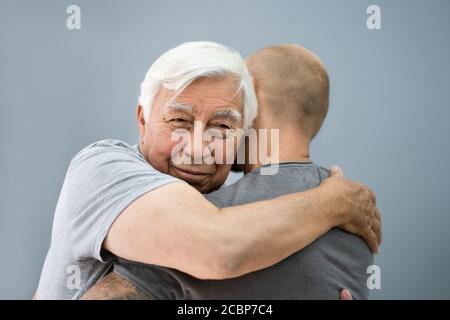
[(388, 123)]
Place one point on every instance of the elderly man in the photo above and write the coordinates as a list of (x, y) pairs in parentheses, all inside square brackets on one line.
[(137, 203)]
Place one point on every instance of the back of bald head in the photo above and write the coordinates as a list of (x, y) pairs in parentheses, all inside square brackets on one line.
[(292, 87)]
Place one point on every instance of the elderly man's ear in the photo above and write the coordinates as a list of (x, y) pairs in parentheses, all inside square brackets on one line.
[(141, 122), (140, 114)]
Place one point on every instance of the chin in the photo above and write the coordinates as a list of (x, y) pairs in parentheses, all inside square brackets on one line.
[(214, 186), (205, 188), (202, 188)]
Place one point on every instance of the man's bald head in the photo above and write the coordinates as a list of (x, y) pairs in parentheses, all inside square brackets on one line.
[(292, 87)]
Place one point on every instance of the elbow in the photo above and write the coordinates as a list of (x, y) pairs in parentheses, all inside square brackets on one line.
[(226, 262), (226, 267)]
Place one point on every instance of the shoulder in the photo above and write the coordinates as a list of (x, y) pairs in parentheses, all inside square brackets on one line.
[(232, 194), (323, 173), (106, 151), (114, 162), (224, 195), (106, 146)]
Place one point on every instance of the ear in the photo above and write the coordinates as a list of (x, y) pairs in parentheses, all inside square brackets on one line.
[(141, 121), (253, 82)]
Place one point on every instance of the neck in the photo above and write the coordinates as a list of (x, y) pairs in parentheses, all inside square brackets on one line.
[(293, 147)]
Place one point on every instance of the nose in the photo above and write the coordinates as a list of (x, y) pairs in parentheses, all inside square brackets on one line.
[(196, 146)]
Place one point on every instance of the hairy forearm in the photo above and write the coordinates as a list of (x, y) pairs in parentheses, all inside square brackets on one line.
[(115, 287), (261, 234)]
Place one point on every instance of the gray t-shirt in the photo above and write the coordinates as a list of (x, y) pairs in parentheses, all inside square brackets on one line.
[(334, 261), (102, 180)]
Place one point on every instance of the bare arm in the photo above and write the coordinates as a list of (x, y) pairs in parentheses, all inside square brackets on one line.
[(175, 226), (115, 287)]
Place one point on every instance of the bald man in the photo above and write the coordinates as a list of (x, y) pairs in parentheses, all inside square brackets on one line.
[(292, 88)]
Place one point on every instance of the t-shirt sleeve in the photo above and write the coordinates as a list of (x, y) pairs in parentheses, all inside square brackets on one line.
[(102, 180)]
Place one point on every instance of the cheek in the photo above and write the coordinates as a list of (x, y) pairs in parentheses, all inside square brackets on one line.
[(165, 146), (225, 151), (160, 146)]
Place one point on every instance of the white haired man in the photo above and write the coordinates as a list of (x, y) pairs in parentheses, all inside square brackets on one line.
[(134, 202)]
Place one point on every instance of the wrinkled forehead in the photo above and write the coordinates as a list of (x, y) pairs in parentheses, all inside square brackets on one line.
[(207, 97)]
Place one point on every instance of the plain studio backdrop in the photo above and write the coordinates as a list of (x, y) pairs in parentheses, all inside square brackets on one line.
[(62, 89)]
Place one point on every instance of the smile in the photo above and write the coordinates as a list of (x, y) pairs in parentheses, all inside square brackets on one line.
[(191, 175)]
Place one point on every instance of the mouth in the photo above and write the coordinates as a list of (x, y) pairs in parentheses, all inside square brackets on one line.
[(191, 175)]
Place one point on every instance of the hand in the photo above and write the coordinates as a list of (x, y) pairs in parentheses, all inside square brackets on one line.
[(357, 205), (345, 295)]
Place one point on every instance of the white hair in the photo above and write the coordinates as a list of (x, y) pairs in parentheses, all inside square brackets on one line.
[(179, 67)]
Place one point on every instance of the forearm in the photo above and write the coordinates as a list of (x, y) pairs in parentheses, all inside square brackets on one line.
[(115, 287), (175, 226), (263, 233)]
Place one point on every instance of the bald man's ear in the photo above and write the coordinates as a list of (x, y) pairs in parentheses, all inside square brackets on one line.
[(254, 82), (255, 85)]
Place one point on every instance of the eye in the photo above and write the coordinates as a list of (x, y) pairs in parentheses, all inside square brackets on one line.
[(223, 126), (177, 120)]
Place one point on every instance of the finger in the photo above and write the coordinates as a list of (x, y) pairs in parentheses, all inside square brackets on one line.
[(378, 214), (372, 196), (376, 227), (336, 171), (371, 239), (377, 224), (345, 295)]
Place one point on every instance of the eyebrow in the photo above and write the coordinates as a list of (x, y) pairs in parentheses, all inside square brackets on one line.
[(233, 114), (178, 106)]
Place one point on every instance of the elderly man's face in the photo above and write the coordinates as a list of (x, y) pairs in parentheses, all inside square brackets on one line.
[(208, 104)]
